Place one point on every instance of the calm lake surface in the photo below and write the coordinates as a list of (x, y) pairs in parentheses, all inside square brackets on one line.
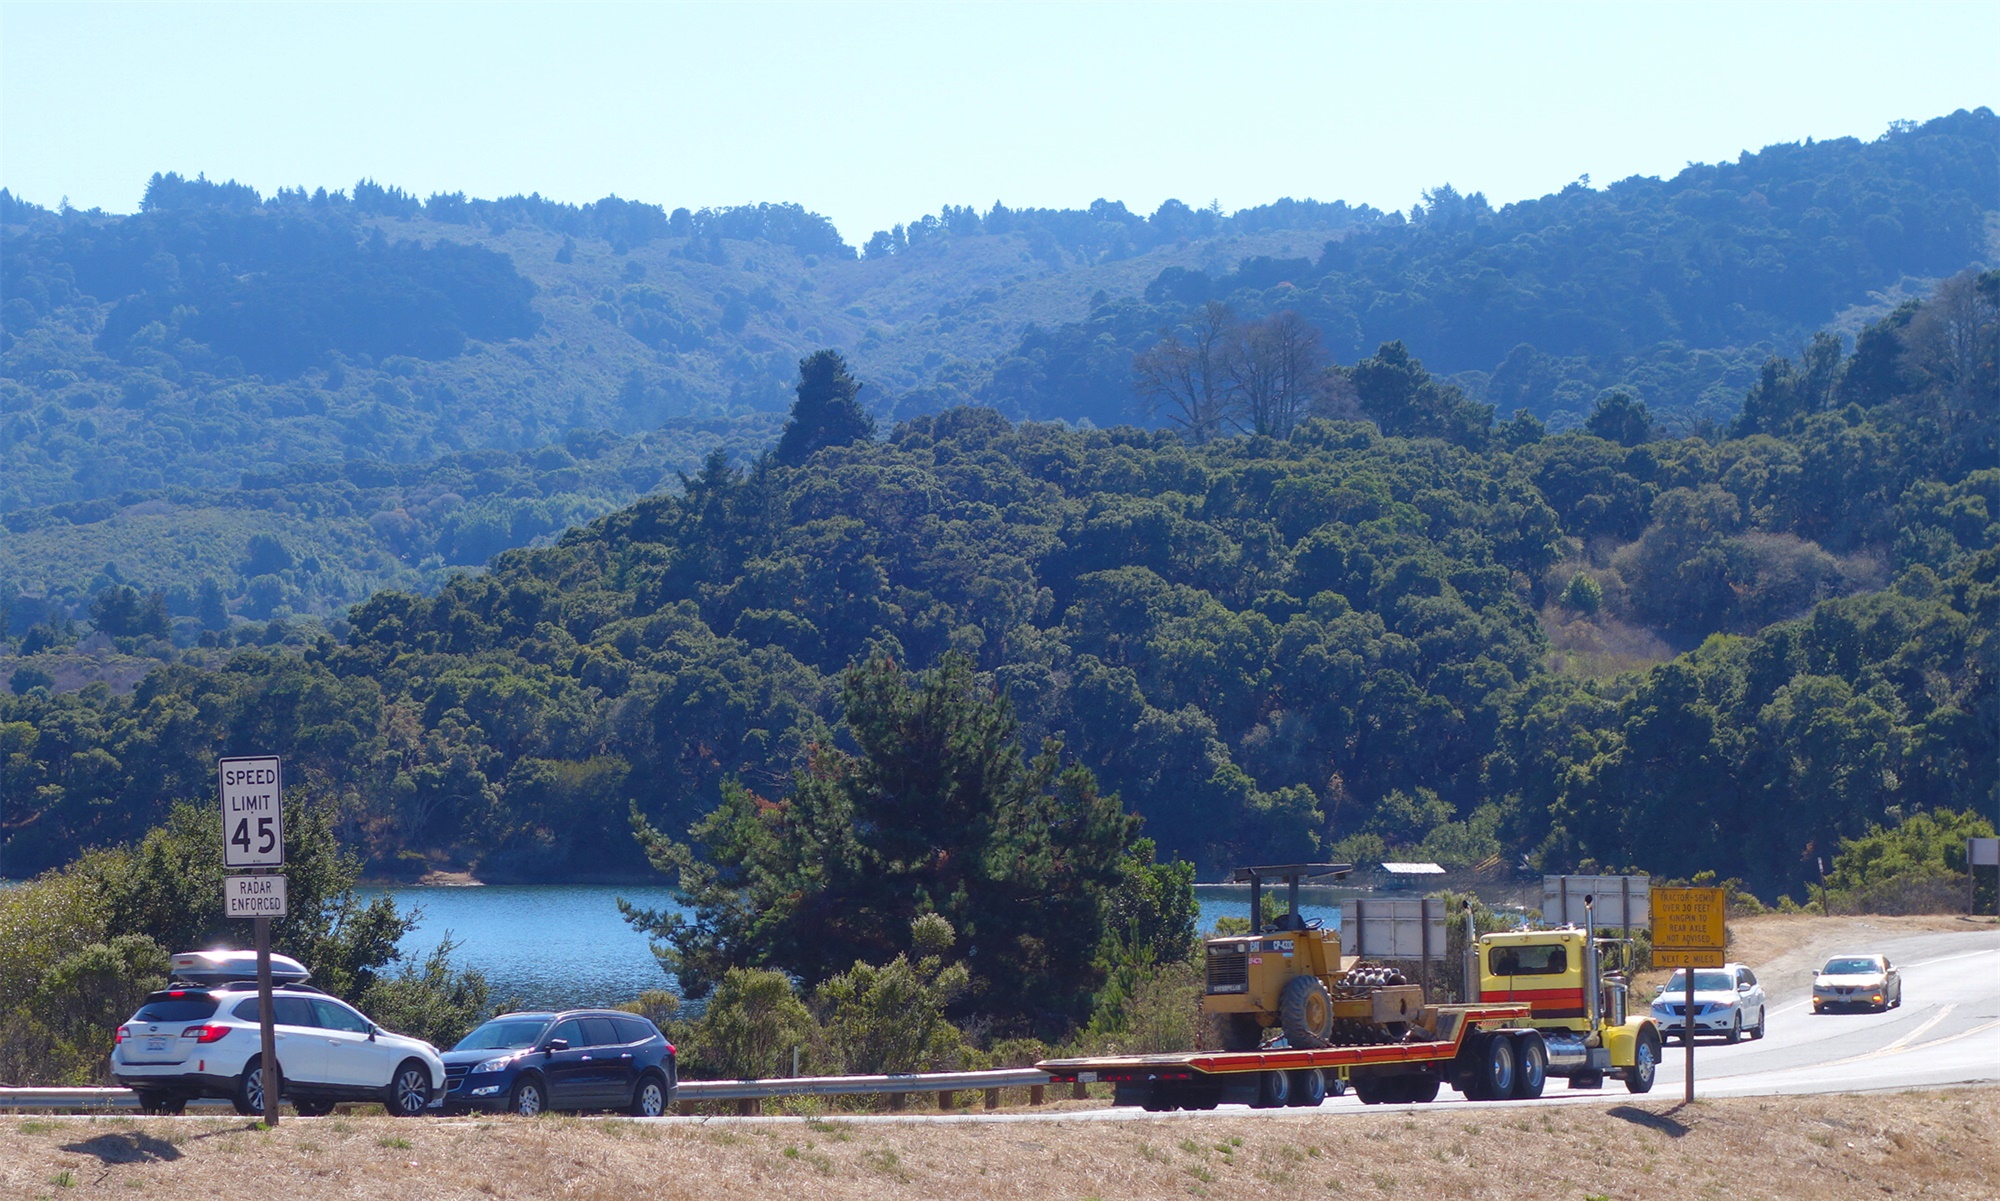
[(565, 944)]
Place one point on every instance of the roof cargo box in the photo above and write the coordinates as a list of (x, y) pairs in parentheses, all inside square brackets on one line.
[(220, 967)]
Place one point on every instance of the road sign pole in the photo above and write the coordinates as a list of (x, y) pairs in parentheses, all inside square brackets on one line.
[(270, 1041), (1687, 1033)]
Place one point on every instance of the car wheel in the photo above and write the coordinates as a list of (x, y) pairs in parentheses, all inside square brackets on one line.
[(313, 1109), (1758, 1033), (649, 1100), (1735, 1034), (528, 1099), (249, 1097), (409, 1092)]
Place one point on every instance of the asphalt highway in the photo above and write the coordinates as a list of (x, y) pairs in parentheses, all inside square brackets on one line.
[(1947, 1032)]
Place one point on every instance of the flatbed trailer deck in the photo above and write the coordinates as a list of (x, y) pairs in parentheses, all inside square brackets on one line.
[(1442, 1045)]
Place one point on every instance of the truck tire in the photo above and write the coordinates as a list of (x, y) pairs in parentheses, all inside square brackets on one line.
[(1274, 1090), (1370, 1090), (1531, 1066), (1306, 1012), (1308, 1088), (1491, 1073), (1645, 1063)]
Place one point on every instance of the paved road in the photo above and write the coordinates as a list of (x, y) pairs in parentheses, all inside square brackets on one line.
[(1946, 1032)]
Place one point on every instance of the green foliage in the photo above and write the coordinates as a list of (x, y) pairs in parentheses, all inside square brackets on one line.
[(166, 886), (826, 413), (940, 812), (434, 1000), (751, 1024), (877, 1020), (1918, 865)]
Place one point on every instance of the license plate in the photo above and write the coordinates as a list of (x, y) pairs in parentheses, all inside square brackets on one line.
[(156, 1044)]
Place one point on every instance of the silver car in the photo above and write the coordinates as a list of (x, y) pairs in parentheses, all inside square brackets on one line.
[(1856, 981)]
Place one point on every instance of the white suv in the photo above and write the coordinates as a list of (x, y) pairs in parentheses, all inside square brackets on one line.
[(199, 1037), (1727, 1001)]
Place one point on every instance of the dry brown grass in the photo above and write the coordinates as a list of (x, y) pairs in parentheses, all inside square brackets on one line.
[(1940, 1144)]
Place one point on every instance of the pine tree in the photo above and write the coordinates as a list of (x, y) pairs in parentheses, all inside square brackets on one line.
[(825, 413)]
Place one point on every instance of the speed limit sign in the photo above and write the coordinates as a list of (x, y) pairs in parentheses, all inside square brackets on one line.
[(253, 819)]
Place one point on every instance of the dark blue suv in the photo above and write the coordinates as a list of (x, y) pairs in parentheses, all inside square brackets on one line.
[(576, 1059)]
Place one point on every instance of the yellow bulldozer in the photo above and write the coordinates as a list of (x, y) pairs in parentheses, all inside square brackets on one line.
[(1287, 977)]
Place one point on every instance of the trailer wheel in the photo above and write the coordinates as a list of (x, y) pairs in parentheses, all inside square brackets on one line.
[(1308, 1088), (1420, 1090), (1645, 1062), (1306, 1012), (1274, 1090), (1372, 1090), (1531, 1070), (1491, 1077)]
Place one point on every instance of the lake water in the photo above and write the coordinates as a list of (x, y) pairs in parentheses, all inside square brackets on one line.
[(565, 944)]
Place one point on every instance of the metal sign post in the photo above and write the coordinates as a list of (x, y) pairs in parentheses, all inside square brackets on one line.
[(1688, 934), (253, 838)]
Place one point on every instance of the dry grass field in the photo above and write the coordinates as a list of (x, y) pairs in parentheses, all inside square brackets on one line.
[(1938, 1144)]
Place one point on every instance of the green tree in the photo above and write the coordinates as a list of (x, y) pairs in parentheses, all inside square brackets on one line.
[(1622, 418), (940, 812), (826, 412)]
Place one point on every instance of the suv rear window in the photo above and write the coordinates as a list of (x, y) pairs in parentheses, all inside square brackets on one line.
[(176, 1009), (634, 1030)]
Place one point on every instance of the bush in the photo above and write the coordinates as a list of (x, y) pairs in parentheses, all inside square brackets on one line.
[(753, 1021), (1919, 866), (435, 1002)]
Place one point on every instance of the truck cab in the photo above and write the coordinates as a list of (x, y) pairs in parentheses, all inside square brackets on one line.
[(1580, 1010)]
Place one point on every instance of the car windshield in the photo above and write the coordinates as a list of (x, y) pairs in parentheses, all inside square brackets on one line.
[(1703, 982), (1851, 967), (509, 1034)]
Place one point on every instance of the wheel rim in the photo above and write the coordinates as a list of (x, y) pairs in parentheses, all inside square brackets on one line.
[(650, 1100), (411, 1091), (253, 1089), (1643, 1061), (530, 1102)]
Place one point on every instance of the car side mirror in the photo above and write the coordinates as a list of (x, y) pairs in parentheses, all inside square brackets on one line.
[(555, 1044), (372, 1028), (1743, 987)]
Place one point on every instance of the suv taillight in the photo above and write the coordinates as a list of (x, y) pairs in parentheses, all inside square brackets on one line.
[(205, 1034), (124, 1032)]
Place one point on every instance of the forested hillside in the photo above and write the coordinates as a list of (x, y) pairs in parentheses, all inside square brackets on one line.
[(1338, 642), (152, 364)]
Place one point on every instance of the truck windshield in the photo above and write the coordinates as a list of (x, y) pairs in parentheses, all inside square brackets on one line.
[(1546, 960)]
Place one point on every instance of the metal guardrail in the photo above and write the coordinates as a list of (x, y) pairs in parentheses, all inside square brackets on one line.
[(753, 1093), (749, 1094)]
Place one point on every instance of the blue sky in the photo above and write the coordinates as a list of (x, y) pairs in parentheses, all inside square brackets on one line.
[(877, 113)]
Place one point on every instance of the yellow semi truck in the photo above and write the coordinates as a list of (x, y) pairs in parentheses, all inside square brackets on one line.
[(1291, 1016)]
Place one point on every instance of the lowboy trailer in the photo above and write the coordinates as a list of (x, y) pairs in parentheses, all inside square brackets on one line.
[(1296, 1019), (1449, 1044)]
